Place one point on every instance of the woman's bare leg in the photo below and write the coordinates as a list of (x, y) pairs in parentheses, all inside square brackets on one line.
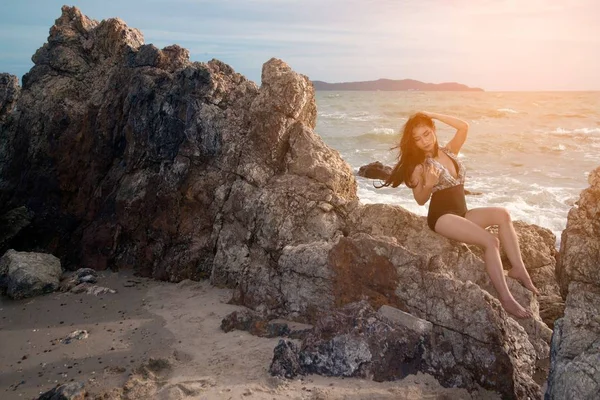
[(461, 229), (488, 216)]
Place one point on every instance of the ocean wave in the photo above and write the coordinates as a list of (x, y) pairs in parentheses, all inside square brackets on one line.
[(366, 140), (377, 137), (580, 131), (383, 131), (558, 116), (360, 116), (507, 110), (556, 148), (335, 115), (498, 113)]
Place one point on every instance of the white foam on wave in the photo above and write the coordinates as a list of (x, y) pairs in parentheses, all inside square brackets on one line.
[(383, 131), (592, 156), (363, 151), (335, 115), (363, 117), (507, 110), (359, 116), (585, 131)]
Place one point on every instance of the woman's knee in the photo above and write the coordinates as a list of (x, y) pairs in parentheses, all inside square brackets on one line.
[(491, 242), (502, 215)]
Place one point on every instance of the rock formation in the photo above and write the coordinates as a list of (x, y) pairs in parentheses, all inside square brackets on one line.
[(575, 362), (357, 341), (375, 170), (389, 344), (138, 158), (28, 274), (129, 156)]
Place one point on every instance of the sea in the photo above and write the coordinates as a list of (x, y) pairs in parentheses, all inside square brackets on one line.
[(530, 152)]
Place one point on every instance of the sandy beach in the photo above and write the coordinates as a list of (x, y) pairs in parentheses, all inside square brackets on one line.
[(178, 324)]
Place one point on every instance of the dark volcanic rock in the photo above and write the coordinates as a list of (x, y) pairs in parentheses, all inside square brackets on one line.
[(286, 361), (356, 341), (375, 170), (258, 325), (68, 391)]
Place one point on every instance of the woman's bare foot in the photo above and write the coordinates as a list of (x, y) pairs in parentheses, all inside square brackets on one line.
[(515, 309), (522, 276)]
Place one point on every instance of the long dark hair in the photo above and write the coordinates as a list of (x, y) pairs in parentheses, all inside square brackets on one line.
[(410, 155)]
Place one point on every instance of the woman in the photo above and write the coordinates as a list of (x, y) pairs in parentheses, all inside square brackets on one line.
[(436, 173)]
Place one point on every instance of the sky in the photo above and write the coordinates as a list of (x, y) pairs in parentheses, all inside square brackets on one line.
[(497, 45)]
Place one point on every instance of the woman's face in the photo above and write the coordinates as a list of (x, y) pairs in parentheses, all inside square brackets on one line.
[(425, 139)]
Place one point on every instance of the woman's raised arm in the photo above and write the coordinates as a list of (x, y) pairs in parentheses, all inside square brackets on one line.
[(462, 127)]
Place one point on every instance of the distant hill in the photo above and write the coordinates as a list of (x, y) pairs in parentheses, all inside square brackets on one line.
[(394, 85)]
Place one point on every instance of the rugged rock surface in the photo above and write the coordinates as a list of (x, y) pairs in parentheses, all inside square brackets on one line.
[(256, 324), (139, 158), (70, 280), (389, 344), (129, 156), (28, 274), (575, 362), (580, 243), (9, 93), (12, 222), (68, 391), (357, 341)]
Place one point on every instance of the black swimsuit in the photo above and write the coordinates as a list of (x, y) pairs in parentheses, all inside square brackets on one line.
[(448, 195)]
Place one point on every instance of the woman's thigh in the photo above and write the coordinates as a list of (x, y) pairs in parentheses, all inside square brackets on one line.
[(488, 216), (461, 229)]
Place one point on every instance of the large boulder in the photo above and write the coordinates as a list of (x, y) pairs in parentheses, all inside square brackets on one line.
[(375, 170), (575, 362), (28, 274), (580, 241)]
